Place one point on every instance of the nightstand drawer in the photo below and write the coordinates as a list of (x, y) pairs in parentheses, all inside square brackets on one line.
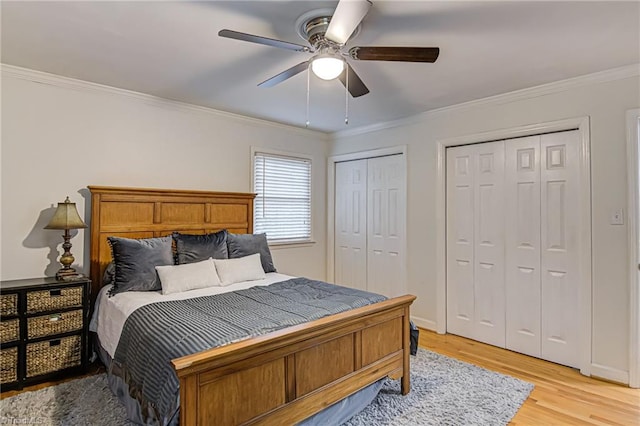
[(8, 304), (8, 365), (53, 355), (9, 330), (52, 300), (48, 325)]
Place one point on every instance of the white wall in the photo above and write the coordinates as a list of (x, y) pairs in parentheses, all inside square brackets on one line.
[(606, 103), (60, 135)]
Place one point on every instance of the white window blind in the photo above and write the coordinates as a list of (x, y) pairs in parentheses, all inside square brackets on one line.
[(283, 201)]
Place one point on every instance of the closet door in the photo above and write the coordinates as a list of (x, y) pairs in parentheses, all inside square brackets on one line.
[(523, 292), (475, 242), (513, 241), (351, 224), (560, 240), (542, 252), (489, 291), (386, 212), (460, 240)]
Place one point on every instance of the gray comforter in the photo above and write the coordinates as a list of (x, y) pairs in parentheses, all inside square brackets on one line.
[(157, 333)]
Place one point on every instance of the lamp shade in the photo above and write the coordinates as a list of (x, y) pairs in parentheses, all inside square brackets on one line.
[(66, 217)]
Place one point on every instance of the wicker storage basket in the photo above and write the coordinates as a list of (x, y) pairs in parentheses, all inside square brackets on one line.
[(8, 365), (8, 304), (48, 325), (51, 300), (53, 355), (9, 330)]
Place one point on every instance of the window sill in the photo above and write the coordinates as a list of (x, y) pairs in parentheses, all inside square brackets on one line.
[(291, 244)]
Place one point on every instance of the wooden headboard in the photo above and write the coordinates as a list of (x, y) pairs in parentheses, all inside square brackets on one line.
[(146, 213)]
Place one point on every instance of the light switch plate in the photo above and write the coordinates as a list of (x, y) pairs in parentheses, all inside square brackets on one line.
[(617, 218)]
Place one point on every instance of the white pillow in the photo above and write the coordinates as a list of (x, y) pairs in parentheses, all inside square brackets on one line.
[(190, 276), (246, 268)]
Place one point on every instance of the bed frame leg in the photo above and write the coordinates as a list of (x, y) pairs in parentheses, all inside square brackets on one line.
[(405, 382), (405, 385)]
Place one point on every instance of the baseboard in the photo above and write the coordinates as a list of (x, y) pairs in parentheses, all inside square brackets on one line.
[(609, 373), (424, 323)]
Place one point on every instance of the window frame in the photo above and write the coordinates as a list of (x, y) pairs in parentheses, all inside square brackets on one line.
[(295, 156)]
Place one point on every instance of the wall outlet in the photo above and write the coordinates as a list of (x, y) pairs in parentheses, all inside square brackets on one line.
[(617, 218)]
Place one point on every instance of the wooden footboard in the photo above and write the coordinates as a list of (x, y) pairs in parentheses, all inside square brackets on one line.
[(286, 376)]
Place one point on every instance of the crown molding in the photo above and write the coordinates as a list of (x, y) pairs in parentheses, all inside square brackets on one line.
[(27, 74), (614, 74), (620, 73)]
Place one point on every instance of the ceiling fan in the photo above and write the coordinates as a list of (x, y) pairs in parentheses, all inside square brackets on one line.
[(327, 36)]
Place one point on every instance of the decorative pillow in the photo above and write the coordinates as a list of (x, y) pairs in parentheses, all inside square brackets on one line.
[(190, 276), (109, 275), (136, 262), (241, 245), (196, 248), (246, 268)]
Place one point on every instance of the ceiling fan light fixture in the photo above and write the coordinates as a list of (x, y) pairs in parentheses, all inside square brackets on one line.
[(327, 67)]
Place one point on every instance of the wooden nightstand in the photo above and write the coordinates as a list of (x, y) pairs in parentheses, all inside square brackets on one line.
[(43, 330)]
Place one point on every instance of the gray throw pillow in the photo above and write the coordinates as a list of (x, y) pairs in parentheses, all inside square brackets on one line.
[(196, 248), (109, 275), (241, 245), (136, 261)]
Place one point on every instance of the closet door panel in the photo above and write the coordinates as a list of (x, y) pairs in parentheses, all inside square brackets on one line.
[(351, 224), (559, 242), (460, 241), (386, 221), (522, 251), (488, 244)]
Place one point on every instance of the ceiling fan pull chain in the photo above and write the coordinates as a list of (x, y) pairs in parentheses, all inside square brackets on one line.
[(346, 95), (308, 91)]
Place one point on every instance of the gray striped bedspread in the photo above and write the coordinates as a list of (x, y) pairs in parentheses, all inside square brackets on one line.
[(157, 333)]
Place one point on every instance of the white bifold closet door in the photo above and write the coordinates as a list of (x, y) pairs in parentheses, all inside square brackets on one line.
[(512, 244), (542, 247), (351, 224), (370, 211), (523, 254), (475, 242)]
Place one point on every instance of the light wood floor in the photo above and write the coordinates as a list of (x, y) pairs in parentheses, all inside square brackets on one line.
[(562, 396)]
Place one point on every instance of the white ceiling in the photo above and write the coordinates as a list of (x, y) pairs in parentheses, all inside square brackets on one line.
[(172, 50)]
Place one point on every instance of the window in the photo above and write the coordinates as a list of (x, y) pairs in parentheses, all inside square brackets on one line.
[(282, 207)]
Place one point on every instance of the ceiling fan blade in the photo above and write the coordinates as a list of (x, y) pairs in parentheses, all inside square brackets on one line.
[(262, 40), (346, 19), (402, 54), (297, 69), (356, 87)]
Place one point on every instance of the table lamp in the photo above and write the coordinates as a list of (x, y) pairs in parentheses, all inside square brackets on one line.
[(66, 217)]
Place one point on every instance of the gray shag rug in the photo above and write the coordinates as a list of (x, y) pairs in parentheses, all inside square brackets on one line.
[(444, 391)]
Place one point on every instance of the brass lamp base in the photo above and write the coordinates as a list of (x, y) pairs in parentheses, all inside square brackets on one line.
[(68, 274)]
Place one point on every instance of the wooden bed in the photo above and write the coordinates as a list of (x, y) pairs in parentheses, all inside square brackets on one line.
[(279, 378)]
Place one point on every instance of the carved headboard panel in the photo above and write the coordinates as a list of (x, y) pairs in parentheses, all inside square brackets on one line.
[(146, 213)]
